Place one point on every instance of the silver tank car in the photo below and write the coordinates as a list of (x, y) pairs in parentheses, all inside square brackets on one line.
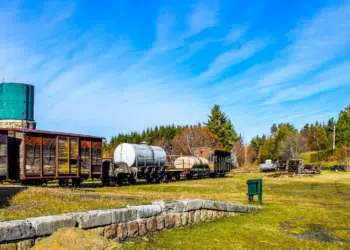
[(135, 155)]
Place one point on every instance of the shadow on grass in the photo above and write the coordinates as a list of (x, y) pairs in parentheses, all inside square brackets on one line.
[(6, 193), (140, 182)]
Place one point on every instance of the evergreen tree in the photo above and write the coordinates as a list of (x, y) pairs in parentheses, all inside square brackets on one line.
[(343, 128), (317, 136), (221, 126), (257, 142)]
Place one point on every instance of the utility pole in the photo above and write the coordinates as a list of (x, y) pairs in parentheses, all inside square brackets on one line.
[(334, 136), (245, 150)]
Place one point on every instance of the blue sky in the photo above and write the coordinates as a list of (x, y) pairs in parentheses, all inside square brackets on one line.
[(104, 67)]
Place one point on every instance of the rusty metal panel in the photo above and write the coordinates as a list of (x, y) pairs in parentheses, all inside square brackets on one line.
[(96, 157), (32, 156), (63, 154), (49, 156), (73, 155), (3, 156), (85, 157)]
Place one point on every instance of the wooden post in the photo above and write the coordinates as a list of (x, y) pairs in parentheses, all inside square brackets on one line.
[(57, 162), (90, 152), (78, 160), (69, 168), (41, 158)]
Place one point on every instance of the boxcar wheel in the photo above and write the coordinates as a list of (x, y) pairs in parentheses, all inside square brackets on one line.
[(24, 182), (63, 182)]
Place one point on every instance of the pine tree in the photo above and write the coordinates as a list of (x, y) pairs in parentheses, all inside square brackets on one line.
[(221, 126), (343, 128)]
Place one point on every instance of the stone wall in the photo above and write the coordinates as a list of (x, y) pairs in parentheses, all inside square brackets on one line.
[(118, 224)]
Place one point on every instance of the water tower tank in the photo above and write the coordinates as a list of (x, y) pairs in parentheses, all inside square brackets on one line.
[(16, 103)]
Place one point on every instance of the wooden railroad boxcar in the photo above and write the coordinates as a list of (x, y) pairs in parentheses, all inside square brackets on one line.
[(39, 156), (3, 155), (220, 161)]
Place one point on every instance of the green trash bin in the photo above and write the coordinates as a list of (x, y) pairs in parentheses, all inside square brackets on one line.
[(255, 188)]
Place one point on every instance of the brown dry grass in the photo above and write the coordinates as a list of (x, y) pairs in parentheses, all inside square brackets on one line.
[(74, 238)]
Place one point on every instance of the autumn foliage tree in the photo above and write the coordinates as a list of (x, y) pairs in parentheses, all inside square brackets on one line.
[(185, 142)]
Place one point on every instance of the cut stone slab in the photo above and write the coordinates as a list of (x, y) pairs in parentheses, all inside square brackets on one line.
[(124, 215), (240, 208), (15, 230), (147, 211), (48, 224), (191, 205), (94, 218)]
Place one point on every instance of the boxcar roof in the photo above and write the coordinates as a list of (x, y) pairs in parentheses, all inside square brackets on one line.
[(45, 132)]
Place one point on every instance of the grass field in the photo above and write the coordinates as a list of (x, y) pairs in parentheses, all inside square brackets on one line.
[(299, 212)]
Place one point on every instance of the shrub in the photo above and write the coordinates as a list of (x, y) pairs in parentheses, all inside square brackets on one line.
[(323, 155)]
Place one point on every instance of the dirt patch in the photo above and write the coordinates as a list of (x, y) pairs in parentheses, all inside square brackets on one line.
[(313, 232), (280, 174)]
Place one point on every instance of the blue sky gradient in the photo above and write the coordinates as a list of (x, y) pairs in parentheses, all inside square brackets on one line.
[(105, 67)]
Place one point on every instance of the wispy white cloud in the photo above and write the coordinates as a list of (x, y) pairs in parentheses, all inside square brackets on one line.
[(113, 88), (88, 83), (204, 16), (314, 43), (235, 34), (229, 58), (332, 78)]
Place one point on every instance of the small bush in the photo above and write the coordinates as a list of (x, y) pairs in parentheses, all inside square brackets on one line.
[(319, 156)]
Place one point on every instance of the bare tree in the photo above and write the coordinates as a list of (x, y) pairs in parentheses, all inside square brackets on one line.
[(192, 138)]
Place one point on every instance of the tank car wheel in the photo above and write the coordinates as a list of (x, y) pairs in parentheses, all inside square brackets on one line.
[(76, 182), (63, 182), (132, 181), (120, 181)]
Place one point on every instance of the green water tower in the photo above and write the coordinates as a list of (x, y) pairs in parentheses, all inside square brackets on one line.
[(17, 105)]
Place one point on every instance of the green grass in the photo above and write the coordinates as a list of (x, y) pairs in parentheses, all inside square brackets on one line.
[(292, 205)]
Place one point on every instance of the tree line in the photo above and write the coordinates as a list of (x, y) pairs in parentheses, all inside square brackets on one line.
[(218, 132), (285, 141)]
